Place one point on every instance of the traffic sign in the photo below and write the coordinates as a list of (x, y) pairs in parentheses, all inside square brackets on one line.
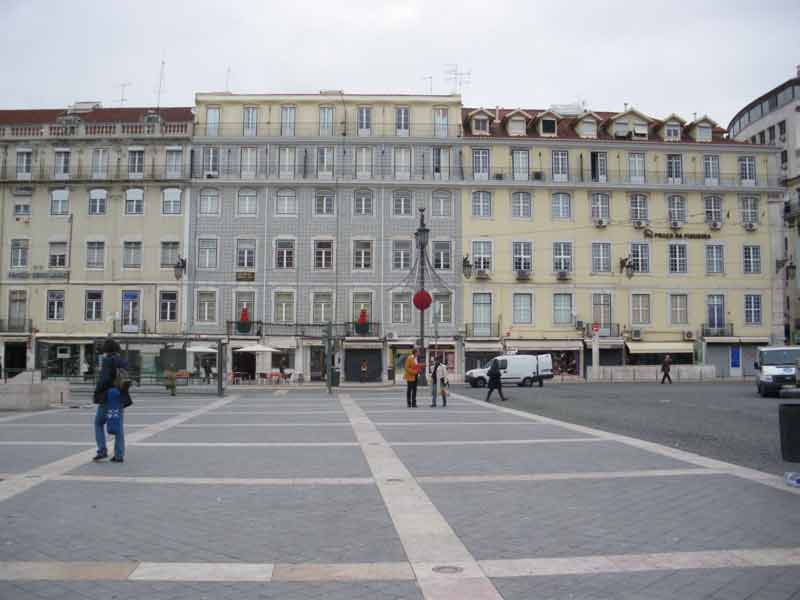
[(595, 327)]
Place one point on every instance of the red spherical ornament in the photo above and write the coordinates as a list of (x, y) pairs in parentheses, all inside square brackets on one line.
[(422, 300)]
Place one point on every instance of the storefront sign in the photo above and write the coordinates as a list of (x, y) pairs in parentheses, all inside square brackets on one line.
[(38, 274), (245, 276), (676, 235)]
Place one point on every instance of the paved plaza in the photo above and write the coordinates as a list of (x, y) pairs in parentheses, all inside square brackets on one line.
[(295, 494)]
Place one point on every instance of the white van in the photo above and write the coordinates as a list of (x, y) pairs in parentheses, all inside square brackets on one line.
[(522, 369), (776, 366)]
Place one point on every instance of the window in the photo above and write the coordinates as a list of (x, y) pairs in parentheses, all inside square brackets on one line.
[(94, 305), (522, 256), (672, 132), (250, 121), (286, 202), (620, 128), (601, 206), (676, 209), (206, 307), (212, 120), (784, 157), (322, 307), (562, 256), (561, 206), (679, 309), (480, 163), (284, 307), (560, 165), (752, 309), (96, 255), (284, 254), (480, 125), (601, 257), (674, 168), (55, 305), (401, 308), (749, 209), (362, 203), (516, 126), (323, 254), (401, 203), (242, 300), (59, 202), (287, 120), (22, 206), (24, 164), (401, 255), (17, 309), (57, 255), (364, 117), (441, 204), (248, 161), (169, 254), (326, 120), (636, 172), (402, 163), (401, 120), (771, 134), (209, 202), (521, 205), (639, 210), (640, 309), (323, 204), (246, 204), (588, 128), (442, 308), (520, 165), (441, 256), (782, 128), (97, 202), (440, 128), (171, 202), (135, 164), (441, 163), (715, 259), (548, 126), (522, 309), (168, 306), (639, 257), (207, 253), (362, 255), (747, 169), (711, 169), (678, 262), (362, 301), (19, 253), (134, 202), (482, 314), (481, 204), (715, 307), (245, 254), (132, 255), (601, 309), (751, 259), (62, 164), (211, 162), (174, 163), (562, 309), (364, 163), (599, 166), (713, 209), (325, 161), (482, 255), (286, 162)]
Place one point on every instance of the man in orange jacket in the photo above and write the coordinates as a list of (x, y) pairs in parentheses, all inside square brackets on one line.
[(412, 369)]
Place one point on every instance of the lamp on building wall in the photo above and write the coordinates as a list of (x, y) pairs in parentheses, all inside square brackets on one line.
[(626, 265), (466, 267), (179, 268)]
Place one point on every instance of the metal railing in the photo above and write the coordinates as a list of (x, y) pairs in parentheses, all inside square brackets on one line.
[(266, 329), (490, 330), (16, 325), (101, 130), (119, 171), (120, 326), (606, 330), (339, 129), (368, 329), (725, 330)]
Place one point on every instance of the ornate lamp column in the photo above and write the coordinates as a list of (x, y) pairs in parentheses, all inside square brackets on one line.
[(422, 298)]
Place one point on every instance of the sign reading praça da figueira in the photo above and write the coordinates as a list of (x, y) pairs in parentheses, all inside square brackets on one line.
[(676, 235)]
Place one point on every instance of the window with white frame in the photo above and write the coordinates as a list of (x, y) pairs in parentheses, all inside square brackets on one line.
[(250, 121), (639, 211), (134, 202), (520, 164), (636, 172), (206, 307), (747, 169), (480, 163), (601, 206), (522, 309), (324, 204), (22, 206), (522, 256), (174, 166), (401, 204), (549, 126), (521, 205), (482, 255), (751, 259), (441, 204), (362, 255), (62, 158), (321, 307), (442, 308), (98, 200), (401, 255), (323, 254), (284, 254), (674, 168), (286, 202), (711, 169), (24, 164), (364, 117), (402, 120), (672, 131), (244, 300), (132, 255), (516, 126), (481, 204), (209, 202), (679, 309), (246, 254), (135, 164), (715, 310), (560, 165), (601, 257), (715, 259), (247, 162), (170, 254), (59, 202), (749, 209), (441, 255), (284, 307), (325, 161), (639, 257), (211, 161), (713, 209), (401, 308), (480, 125), (94, 305), (207, 253), (676, 209), (678, 261), (326, 120), (640, 309), (703, 133), (561, 206), (286, 162), (364, 162), (246, 203), (440, 127), (19, 253), (55, 305), (95, 255), (588, 128), (752, 309), (620, 128), (287, 120), (562, 256), (212, 120), (601, 309), (598, 164), (168, 306), (441, 163), (362, 203), (171, 202), (562, 309)]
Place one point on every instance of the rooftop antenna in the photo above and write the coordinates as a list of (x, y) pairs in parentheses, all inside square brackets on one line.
[(160, 85), (458, 78), (122, 86), (429, 79), (228, 79)]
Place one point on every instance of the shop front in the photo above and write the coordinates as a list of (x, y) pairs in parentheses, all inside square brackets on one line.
[(733, 356), (358, 352), (477, 354), (566, 354), (653, 353)]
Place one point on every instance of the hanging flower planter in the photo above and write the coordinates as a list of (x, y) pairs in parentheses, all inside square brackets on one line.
[(244, 324), (362, 324)]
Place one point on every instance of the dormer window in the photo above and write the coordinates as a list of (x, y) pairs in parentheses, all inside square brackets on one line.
[(672, 132), (620, 129), (588, 128), (640, 130), (516, 126), (548, 126), (480, 125), (703, 133)]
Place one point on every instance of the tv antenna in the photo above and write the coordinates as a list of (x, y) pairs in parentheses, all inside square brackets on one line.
[(458, 78), (160, 84), (122, 86), (228, 79), (429, 79)]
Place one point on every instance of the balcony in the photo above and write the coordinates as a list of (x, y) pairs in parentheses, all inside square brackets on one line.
[(717, 330), (334, 131), (182, 129), (126, 327), (369, 329), (114, 172), (606, 330), (16, 325), (266, 329), (482, 330)]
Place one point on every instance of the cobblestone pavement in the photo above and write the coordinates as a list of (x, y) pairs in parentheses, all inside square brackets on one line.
[(302, 495)]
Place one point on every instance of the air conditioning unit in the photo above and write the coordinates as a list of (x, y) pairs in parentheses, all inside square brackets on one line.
[(675, 224), (391, 335), (638, 224), (538, 175), (523, 275), (580, 325), (688, 335), (636, 335), (715, 225), (750, 226), (563, 275), (481, 274), (600, 222), (498, 176)]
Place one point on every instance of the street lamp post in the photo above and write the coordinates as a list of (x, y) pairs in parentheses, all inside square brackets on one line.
[(421, 236)]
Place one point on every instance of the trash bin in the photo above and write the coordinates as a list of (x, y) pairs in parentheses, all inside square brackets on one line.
[(789, 417), (335, 375), (390, 374)]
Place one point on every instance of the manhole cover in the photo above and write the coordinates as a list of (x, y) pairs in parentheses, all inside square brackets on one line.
[(447, 569)]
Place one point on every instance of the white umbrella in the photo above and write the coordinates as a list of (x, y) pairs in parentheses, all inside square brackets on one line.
[(202, 349), (256, 348)]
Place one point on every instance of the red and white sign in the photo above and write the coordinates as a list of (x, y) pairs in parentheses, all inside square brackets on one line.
[(595, 327)]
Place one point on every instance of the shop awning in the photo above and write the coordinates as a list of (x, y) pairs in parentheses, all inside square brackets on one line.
[(605, 343), (281, 341), (401, 342), (660, 347), (544, 345), (483, 347), (723, 339), (754, 340)]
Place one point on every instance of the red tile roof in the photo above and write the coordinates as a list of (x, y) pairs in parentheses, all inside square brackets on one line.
[(98, 115)]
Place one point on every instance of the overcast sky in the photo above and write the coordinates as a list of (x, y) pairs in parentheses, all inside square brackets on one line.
[(662, 56)]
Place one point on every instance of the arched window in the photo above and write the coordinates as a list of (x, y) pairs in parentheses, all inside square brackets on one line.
[(561, 205), (676, 209), (639, 210), (171, 201), (98, 201)]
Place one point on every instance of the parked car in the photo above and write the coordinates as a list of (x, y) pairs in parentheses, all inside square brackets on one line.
[(522, 369), (776, 367)]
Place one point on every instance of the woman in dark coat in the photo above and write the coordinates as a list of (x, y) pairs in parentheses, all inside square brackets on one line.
[(495, 380)]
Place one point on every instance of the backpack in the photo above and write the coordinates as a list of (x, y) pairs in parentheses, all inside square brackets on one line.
[(120, 375)]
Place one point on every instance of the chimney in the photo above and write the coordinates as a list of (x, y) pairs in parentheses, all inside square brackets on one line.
[(797, 70), (626, 107), (497, 114)]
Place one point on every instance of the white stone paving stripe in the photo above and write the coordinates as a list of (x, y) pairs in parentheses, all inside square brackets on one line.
[(427, 537), (46, 443), (448, 423), (567, 476), (218, 572), (24, 415), (251, 481), (244, 444), (761, 477), (218, 425), (29, 479), (499, 442)]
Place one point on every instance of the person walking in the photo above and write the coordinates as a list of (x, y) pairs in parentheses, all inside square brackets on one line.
[(171, 380), (206, 371), (440, 382), (665, 369), (364, 367), (112, 368), (411, 372), (111, 418), (495, 380)]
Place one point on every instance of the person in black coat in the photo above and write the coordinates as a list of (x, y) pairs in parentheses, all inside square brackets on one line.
[(495, 380)]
